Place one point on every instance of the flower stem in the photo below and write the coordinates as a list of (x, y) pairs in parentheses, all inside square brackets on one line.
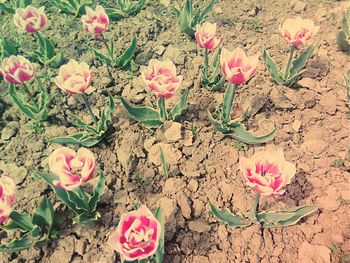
[(228, 101), (111, 56), (255, 207), (286, 73), (93, 117), (26, 89), (163, 112), (206, 63)]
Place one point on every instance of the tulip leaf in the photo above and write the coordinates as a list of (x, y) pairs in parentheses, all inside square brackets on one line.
[(343, 41), (80, 123), (242, 135), (301, 61), (56, 60), (286, 217), (146, 115), (106, 116), (86, 139), (228, 101), (164, 163), (44, 215), (23, 3), (233, 220), (272, 67), (115, 14), (133, 10), (25, 242), (127, 55), (97, 192), (7, 48), (23, 106), (75, 197), (200, 16), (46, 48), (7, 8), (73, 7), (185, 18), (218, 125), (177, 111), (102, 57), (87, 218), (159, 255), (24, 221)]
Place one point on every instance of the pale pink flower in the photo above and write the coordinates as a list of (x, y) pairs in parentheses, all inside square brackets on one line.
[(297, 31), (72, 168), (30, 19), (267, 172), (16, 69), (95, 22), (74, 78), (161, 77), (206, 36), (137, 235), (7, 197), (236, 66)]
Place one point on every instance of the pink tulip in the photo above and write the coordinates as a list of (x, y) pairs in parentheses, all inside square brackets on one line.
[(206, 36), (72, 168), (16, 69), (137, 235), (298, 31), (30, 19), (267, 172), (237, 67), (74, 78), (95, 22), (161, 77), (7, 197)]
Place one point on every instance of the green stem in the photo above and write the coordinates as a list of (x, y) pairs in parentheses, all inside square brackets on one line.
[(206, 62), (286, 73), (111, 56), (228, 102), (93, 117), (26, 89), (82, 194), (255, 207), (163, 112)]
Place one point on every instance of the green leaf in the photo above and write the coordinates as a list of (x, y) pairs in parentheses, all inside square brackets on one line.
[(97, 192), (25, 242), (146, 115), (105, 118), (233, 220), (23, 3), (56, 61), (200, 16), (75, 197), (115, 14), (286, 217), (218, 125), (242, 135), (47, 49), (87, 218), (136, 7), (343, 41), (301, 61), (44, 215), (272, 67), (164, 163), (83, 138), (7, 48), (185, 18), (7, 8), (127, 55), (24, 107), (24, 221), (177, 111), (80, 123), (102, 57), (216, 85), (228, 101), (159, 255)]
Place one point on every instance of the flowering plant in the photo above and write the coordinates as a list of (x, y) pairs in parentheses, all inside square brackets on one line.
[(267, 173), (13, 5), (96, 22), (75, 79), (297, 32), (139, 236), (160, 76), (343, 37), (237, 69), (125, 8), (69, 171), (36, 229), (74, 7)]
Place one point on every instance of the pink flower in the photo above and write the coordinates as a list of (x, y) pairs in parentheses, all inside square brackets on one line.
[(7, 197), (74, 78), (161, 77), (16, 69), (30, 19), (267, 172), (95, 22), (137, 235), (206, 36), (236, 66), (298, 31), (72, 168)]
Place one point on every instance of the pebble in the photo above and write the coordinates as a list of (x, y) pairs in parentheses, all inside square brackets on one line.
[(309, 253), (198, 226), (10, 130), (173, 133), (175, 55), (296, 125), (184, 204), (298, 6)]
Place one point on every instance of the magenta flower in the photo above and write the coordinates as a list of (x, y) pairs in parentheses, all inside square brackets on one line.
[(7, 197), (137, 235), (95, 22), (160, 76), (74, 77), (16, 69), (297, 31), (237, 67), (267, 172), (30, 19), (206, 36), (72, 168)]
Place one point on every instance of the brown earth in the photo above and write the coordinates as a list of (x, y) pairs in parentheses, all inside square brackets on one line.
[(314, 133)]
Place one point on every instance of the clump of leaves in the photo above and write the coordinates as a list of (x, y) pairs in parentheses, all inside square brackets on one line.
[(125, 8), (74, 7), (343, 38), (13, 5)]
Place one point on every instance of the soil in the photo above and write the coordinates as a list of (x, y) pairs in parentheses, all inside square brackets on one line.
[(314, 133)]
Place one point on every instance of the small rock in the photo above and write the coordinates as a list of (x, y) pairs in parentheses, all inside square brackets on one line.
[(168, 207), (198, 226), (173, 133), (307, 83), (296, 125), (298, 6), (239, 26), (329, 103), (148, 143), (10, 130), (218, 10), (171, 154), (190, 169), (165, 3), (175, 55), (315, 147), (173, 185), (192, 185), (159, 50), (184, 204), (314, 253)]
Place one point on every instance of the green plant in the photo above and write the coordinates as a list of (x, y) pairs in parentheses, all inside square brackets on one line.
[(7, 48), (343, 38), (125, 8), (211, 73), (255, 25), (337, 254), (13, 5), (165, 165), (187, 20), (74, 7), (36, 229)]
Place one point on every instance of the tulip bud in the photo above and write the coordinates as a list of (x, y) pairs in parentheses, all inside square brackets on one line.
[(95, 22), (206, 36), (74, 78), (160, 76), (30, 19), (16, 69), (237, 67)]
